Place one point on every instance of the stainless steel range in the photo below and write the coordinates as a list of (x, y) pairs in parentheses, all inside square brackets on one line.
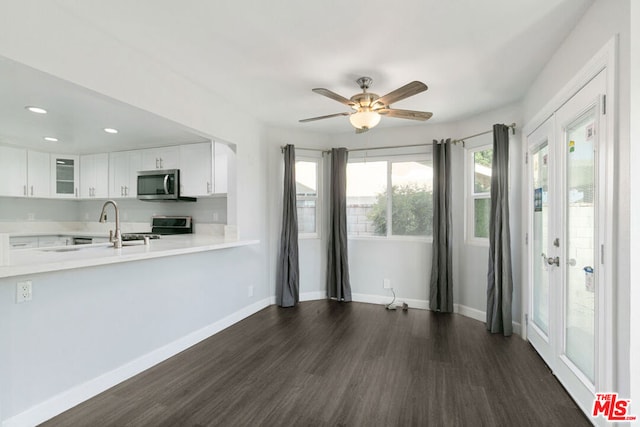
[(163, 225)]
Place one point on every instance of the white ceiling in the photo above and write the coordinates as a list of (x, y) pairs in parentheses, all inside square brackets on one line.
[(266, 56)]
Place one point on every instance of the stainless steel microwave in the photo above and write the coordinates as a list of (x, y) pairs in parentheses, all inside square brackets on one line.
[(161, 185)]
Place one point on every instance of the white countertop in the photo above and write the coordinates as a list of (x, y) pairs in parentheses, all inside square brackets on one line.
[(41, 260)]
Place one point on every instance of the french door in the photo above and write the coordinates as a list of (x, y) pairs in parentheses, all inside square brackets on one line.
[(567, 212)]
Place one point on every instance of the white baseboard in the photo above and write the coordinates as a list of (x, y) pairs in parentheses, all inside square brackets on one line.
[(463, 310), (78, 394), (482, 316), (384, 300), (313, 296)]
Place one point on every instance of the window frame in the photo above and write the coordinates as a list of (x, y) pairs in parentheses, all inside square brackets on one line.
[(308, 157), (472, 196), (391, 158)]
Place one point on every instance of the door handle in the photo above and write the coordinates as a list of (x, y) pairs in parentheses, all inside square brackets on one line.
[(552, 261), (165, 183)]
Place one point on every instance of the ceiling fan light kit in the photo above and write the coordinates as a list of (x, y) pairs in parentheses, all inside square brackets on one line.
[(368, 107), (364, 119)]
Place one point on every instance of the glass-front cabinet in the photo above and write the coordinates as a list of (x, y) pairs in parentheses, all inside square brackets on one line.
[(65, 173)]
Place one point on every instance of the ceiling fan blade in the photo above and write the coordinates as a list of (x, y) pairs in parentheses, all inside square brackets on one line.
[(324, 117), (405, 114), (334, 96), (403, 92)]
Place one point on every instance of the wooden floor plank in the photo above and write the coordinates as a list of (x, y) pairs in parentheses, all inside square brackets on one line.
[(325, 363)]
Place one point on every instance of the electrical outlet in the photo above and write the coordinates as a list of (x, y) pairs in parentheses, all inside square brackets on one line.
[(250, 291), (386, 284), (23, 291)]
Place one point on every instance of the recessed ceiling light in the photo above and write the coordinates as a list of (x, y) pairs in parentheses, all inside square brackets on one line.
[(110, 130), (36, 110), (50, 139)]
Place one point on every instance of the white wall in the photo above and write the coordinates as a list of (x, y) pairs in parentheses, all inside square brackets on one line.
[(140, 309), (602, 21), (89, 326)]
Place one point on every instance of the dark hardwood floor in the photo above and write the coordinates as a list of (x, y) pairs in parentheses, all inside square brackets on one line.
[(325, 363)]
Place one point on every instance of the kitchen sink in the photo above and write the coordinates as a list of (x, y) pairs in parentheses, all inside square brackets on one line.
[(71, 249)]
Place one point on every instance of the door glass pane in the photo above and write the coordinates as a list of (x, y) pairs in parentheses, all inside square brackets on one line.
[(580, 260), (540, 162)]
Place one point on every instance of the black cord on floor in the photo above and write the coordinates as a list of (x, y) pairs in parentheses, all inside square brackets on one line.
[(390, 306)]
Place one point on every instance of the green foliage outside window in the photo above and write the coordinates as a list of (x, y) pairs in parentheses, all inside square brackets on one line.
[(412, 211)]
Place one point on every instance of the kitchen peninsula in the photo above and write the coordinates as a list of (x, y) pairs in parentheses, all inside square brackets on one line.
[(42, 260)]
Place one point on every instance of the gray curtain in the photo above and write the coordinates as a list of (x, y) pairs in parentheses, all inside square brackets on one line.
[(288, 271), (441, 286), (499, 278), (338, 285)]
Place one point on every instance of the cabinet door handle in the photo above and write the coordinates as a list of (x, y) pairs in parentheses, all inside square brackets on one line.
[(32, 190), (126, 190), (25, 190), (160, 162), (157, 162), (208, 187)]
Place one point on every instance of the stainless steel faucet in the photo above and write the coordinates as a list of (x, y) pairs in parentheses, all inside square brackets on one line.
[(117, 239)]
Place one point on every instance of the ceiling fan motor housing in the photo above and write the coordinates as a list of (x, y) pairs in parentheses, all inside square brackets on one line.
[(364, 82)]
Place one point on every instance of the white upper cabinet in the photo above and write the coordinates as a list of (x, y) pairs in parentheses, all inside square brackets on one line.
[(65, 175), (196, 177), (160, 158), (38, 174), (26, 173), (13, 163), (206, 168), (123, 173), (224, 168), (94, 176)]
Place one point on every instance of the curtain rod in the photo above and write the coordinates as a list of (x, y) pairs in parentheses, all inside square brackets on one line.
[(326, 151), (454, 141)]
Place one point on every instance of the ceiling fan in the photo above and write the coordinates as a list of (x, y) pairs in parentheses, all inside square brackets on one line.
[(369, 107)]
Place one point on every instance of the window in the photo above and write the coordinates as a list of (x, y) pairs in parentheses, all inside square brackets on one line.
[(389, 198), (307, 179), (479, 206)]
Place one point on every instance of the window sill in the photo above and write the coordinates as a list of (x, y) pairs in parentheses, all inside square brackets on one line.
[(477, 242), (308, 236), (392, 238)]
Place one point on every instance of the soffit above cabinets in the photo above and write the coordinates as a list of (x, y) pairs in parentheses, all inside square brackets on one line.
[(76, 116)]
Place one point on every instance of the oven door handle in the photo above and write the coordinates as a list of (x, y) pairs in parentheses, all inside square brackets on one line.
[(166, 183)]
